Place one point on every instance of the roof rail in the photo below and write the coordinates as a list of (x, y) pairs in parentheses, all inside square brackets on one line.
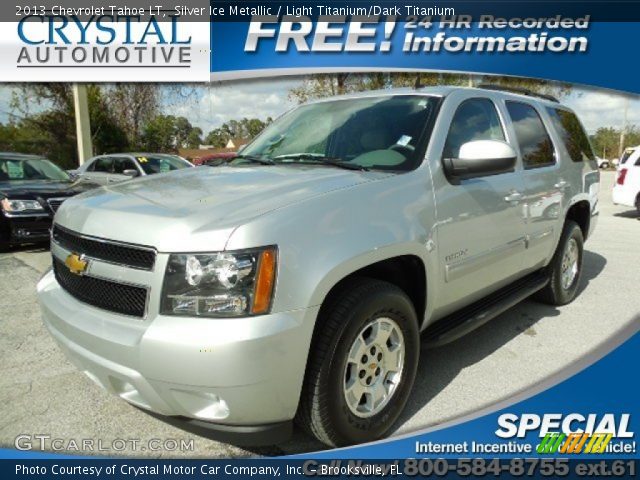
[(520, 90)]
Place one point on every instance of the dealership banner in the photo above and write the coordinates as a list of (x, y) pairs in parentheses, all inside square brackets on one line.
[(582, 420), (195, 41)]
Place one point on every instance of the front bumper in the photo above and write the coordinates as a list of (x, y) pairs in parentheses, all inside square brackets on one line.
[(243, 374), (25, 229)]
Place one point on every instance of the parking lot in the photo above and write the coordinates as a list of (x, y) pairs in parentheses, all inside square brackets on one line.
[(41, 393)]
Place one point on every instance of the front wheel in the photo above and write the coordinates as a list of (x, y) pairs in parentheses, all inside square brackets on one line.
[(362, 364), (565, 267)]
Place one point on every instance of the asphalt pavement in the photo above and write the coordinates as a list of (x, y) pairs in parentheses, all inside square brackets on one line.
[(41, 393)]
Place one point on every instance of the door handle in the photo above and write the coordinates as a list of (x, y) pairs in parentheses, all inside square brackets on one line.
[(562, 184), (513, 197)]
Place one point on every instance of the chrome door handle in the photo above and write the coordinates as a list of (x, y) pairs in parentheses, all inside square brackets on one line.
[(513, 197), (561, 184)]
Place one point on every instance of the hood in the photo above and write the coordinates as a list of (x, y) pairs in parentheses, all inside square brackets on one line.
[(196, 209), (32, 189)]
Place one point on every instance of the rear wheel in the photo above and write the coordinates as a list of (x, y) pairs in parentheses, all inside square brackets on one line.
[(638, 203), (362, 364), (565, 268)]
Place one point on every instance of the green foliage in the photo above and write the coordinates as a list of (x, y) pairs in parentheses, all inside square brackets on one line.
[(247, 128), (327, 85), (52, 132), (166, 133), (607, 141)]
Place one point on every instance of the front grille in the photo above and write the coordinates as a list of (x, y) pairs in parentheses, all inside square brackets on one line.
[(112, 296), (127, 255), (54, 203)]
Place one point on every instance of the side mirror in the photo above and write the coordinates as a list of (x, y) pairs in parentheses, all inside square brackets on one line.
[(480, 158), (130, 172)]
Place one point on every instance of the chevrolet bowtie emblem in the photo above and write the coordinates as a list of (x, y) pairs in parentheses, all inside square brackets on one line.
[(76, 264)]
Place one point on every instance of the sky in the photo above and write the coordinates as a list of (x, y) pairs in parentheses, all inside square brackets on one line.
[(210, 106)]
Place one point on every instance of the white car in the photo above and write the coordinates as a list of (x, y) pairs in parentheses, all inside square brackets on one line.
[(603, 162), (626, 190)]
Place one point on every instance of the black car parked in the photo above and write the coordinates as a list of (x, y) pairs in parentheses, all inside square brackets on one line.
[(31, 190)]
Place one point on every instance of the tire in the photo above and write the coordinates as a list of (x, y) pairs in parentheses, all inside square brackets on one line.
[(638, 203), (563, 289), (361, 307)]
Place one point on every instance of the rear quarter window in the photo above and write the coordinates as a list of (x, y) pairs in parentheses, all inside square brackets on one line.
[(534, 141), (572, 134), (625, 156)]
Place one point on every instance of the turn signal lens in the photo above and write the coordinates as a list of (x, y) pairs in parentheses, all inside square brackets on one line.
[(264, 282)]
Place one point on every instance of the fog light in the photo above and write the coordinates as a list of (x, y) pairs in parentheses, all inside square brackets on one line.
[(205, 405)]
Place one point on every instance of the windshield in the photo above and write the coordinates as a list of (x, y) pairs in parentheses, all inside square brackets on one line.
[(33, 169), (375, 132), (161, 163)]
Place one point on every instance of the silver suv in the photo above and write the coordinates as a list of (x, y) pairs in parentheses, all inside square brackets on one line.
[(296, 282)]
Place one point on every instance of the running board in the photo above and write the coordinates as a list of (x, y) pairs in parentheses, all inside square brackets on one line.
[(477, 314)]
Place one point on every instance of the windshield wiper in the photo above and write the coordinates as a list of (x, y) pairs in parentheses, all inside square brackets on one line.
[(255, 159), (319, 158)]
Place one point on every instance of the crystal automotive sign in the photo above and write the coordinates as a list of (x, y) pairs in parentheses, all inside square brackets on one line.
[(105, 44)]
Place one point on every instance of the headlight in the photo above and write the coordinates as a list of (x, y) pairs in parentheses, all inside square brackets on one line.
[(224, 284), (16, 206)]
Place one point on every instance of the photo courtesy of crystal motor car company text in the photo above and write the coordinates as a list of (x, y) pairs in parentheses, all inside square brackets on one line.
[(288, 262)]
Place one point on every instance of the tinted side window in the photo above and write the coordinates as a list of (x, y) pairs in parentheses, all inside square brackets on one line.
[(120, 164), (573, 135), (534, 141), (102, 165), (475, 119)]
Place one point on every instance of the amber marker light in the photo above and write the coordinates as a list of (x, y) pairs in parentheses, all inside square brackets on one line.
[(264, 282)]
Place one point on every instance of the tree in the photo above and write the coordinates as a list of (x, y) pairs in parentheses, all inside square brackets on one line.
[(546, 87), (246, 129), (166, 133), (52, 132), (186, 135), (217, 138), (159, 134), (133, 105), (194, 139), (327, 85), (606, 140)]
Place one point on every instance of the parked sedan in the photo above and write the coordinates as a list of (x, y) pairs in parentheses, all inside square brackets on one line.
[(115, 168), (31, 190)]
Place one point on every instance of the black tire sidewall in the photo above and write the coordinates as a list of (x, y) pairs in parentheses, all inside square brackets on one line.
[(347, 427), (572, 231)]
